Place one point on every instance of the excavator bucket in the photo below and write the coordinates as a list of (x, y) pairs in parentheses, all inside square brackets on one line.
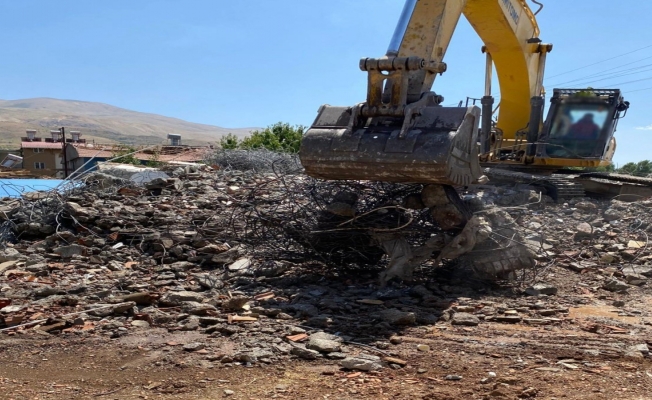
[(439, 147)]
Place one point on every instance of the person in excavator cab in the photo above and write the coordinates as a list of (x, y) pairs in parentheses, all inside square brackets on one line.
[(585, 128)]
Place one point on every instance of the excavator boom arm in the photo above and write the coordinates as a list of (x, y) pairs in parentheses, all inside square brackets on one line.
[(509, 32)]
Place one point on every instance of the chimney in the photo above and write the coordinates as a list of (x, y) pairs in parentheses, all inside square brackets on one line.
[(55, 135), (31, 134), (175, 140), (75, 136)]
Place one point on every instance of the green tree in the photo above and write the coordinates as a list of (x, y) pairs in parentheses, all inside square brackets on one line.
[(608, 168), (278, 137), (588, 92), (154, 161), (123, 154), (229, 142), (641, 168)]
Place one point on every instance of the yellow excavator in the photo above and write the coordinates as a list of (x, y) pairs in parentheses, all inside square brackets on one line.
[(401, 133)]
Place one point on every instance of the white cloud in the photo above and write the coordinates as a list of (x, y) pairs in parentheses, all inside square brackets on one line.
[(644, 128)]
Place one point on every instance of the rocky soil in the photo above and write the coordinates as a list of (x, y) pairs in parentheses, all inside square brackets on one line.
[(195, 287)]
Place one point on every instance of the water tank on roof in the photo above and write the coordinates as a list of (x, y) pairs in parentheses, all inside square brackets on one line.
[(175, 139)]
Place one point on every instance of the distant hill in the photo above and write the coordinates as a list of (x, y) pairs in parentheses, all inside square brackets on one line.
[(100, 122)]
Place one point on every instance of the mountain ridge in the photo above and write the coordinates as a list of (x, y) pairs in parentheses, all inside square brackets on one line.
[(100, 122)]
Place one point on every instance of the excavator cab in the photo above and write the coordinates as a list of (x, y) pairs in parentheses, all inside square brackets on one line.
[(581, 123)]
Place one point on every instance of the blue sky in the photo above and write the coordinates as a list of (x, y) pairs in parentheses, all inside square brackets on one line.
[(251, 63)]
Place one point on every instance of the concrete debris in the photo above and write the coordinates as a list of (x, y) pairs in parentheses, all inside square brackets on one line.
[(324, 343), (541, 288), (304, 353), (465, 319), (133, 173), (615, 285), (362, 362), (284, 267), (397, 317)]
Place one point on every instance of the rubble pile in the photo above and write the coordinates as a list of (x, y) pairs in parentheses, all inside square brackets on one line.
[(249, 255)]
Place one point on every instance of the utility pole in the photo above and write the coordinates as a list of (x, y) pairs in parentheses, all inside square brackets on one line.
[(65, 157)]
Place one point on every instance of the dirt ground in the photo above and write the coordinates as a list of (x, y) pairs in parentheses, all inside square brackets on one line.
[(209, 326), (528, 362)]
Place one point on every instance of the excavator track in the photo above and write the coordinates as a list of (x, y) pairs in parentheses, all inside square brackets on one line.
[(622, 187), (618, 178), (557, 186)]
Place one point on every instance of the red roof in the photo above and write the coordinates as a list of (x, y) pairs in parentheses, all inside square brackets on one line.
[(41, 145), (165, 155)]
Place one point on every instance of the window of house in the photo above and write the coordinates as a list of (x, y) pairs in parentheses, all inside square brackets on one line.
[(39, 165), (37, 150)]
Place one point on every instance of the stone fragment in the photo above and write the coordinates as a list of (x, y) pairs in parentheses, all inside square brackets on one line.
[(323, 343), (637, 270), (541, 288), (114, 265), (9, 254), (109, 309), (304, 309), (11, 309), (341, 209), (394, 360), (397, 317), (362, 362), (214, 248), (614, 285), (611, 214), (240, 265), (304, 353), (47, 291), (583, 231), (209, 281), (235, 303), (176, 298), (433, 195), (423, 347), (140, 324), (586, 206), (509, 319), (228, 256), (633, 244), (7, 265), (643, 348), (196, 308), (56, 326), (140, 298), (608, 258), (634, 352), (465, 319), (70, 251)]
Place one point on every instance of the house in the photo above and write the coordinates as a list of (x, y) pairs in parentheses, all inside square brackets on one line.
[(84, 156), (43, 157)]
